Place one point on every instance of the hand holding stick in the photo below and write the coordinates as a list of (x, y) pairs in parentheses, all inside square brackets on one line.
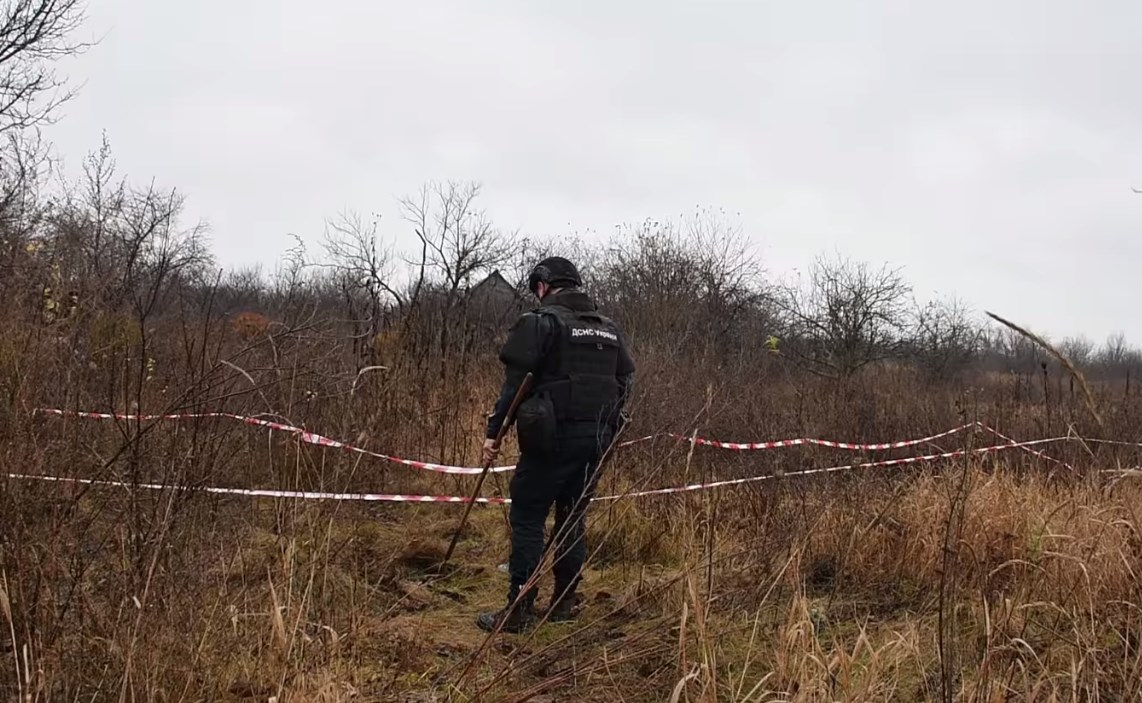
[(524, 387)]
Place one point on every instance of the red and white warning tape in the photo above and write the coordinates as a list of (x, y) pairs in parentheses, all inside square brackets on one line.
[(405, 498), (1027, 449), (270, 493), (303, 435), (778, 444), (321, 440), (845, 467), (1112, 442)]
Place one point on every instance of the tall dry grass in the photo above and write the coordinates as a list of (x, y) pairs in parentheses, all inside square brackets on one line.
[(1006, 578)]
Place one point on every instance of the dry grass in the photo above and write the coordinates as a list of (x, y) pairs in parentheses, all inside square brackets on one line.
[(1005, 579)]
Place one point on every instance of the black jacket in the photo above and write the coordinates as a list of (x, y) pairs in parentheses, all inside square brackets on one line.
[(530, 340)]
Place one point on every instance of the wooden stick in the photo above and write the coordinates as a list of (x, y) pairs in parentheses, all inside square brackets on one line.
[(524, 387)]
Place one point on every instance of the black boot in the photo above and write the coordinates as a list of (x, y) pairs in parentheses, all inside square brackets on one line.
[(562, 607), (515, 617)]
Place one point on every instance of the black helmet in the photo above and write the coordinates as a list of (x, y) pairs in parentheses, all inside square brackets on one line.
[(554, 271)]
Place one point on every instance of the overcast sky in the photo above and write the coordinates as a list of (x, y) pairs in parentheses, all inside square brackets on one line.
[(988, 148)]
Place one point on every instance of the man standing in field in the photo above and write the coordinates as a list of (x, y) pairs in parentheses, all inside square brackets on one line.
[(582, 372)]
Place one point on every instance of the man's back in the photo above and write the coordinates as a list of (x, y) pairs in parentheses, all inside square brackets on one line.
[(579, 358), (582, 370), (587, 367)]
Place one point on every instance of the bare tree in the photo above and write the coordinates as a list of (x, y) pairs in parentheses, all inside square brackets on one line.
[(104, 199), (1115, 351), (457, 239), (24, 166), (362, 267), (684, 284), (457, 242), (1080, 350), (289, 280), (114, 245), (846, 316), (650, 280), (1117, 358), (156, 250), (945, 340), (34, 35), (729, 271)]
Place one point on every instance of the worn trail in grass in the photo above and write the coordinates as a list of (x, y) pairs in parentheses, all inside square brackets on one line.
[(855, 603)]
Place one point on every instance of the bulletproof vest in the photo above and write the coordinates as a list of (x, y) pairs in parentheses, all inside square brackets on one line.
[(579, 373)]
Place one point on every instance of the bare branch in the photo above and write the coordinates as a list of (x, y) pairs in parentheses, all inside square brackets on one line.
[(945, 339), (848, 315), (34, 34)]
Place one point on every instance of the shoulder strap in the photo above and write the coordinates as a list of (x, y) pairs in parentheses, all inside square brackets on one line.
[(554, 313)]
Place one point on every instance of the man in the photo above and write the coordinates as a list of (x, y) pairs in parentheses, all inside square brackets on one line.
[(582, 373)]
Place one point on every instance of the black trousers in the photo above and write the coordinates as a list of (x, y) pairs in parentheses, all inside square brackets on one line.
[(567, 478)]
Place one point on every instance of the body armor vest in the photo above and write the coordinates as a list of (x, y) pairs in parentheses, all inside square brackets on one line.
[(579, 374)]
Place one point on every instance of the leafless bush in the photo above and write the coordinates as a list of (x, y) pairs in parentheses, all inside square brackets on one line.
[(845, 315), (361, 265), (693, 286), (1080, 350), (24, 167), (945, 340), (116, 245)]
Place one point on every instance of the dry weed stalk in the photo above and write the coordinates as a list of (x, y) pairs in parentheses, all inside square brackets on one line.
[(1088, 397)]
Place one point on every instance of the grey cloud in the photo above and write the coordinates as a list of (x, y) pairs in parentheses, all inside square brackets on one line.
[(988, 148)]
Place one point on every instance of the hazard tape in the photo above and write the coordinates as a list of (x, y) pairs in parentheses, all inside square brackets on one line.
[(407, 498), (779, 444), (303, 435), (834, 469), (1112, 442), (1027, 449), (268, 492), (320, 440)]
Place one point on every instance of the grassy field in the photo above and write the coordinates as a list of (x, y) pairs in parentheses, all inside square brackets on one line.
[(983, 572), (1001, 576)]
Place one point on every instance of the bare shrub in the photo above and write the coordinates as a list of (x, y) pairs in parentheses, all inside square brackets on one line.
[(845, 315), (692, 286), (945, 340)]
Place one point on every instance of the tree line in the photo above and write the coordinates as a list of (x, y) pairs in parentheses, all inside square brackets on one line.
[(689, 286)]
